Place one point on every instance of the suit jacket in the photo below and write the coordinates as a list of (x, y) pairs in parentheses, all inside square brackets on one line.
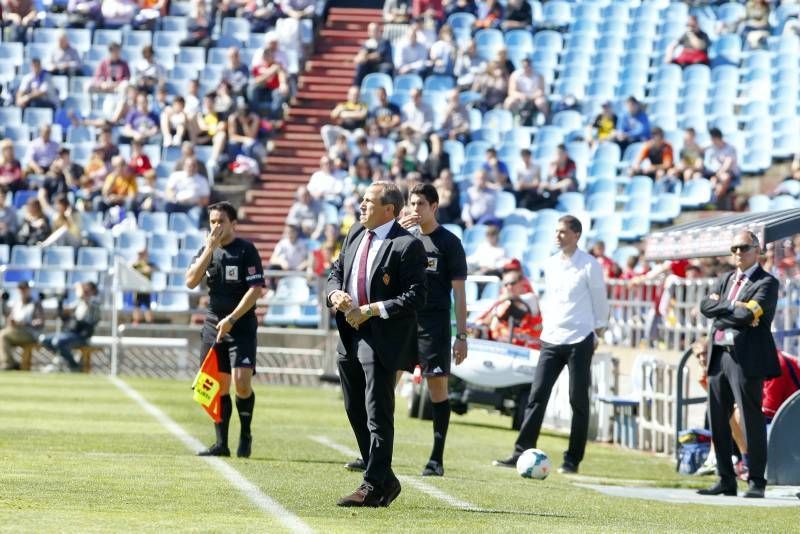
[(397, 278), (754, 347)]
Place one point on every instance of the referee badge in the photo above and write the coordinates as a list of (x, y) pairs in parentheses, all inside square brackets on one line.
[(386, 279), (231, 272)]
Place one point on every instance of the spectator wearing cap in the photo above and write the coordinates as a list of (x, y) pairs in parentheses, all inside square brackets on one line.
[(720, 165), (481, 201), (375, 55), (112, 72), (602, 129), (41, 152), (655, 158), (187, 190), (36, 88), (385, 114), (633, 125), (488, 257), (23, 326), (456, 119), (64, 59), (691, 47), (352, 113), (11, 175)]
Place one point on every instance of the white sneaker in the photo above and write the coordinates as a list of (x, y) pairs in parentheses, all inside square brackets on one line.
[(51, 368), (709, 467)]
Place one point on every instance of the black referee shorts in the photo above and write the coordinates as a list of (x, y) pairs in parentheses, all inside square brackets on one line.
[(433, 343), (238, 346)]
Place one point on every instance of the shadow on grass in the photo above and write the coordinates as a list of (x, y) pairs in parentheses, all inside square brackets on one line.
[(516, 512), (296, 461)]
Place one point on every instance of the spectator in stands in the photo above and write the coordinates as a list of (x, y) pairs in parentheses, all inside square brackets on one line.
[(36, 88), (119, 188), (141, 124), (352, 113), (147, 73), (456, 119), (442, 54), (94, 176), (449, 211), (142, 301), (268, 88), (412, 55), (79, 324), (363, 150), (529, 175), (306, 214), (492, 85), (229, 8), (291, 252), (490, 14), (514, 317), (62, 177), (8, 219), (385, 114), (209, 129), (396, 11), (692, 46), (561, 178), (11, 176), (604, 124), (235, 72), (263, 16), (339, 153), (359, 179), (35, 226), (187, 190), (64, 59), (755, 27), (41, 152), (375, 55), (243, 134), (296, 11), (496, 170), (417, 114), (437, 160), (459, 6), (20, 17), (468, 66), (518, 15), (175, 123), (66, 223), (480, 203), (655, 159), (633, 125), (427, 8), (610, 268), (192, 98), (198, 26), (690, 159), (187, 151), (105, 142), (324, 184), (720, 165), (80, 12), (112, 72), (224, 100), (117, 13), (23, 326), (402, 162), (123, 104), (489, 256)]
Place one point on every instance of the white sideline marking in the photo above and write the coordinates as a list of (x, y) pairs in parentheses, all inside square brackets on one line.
[(250, 490), (411, 481)]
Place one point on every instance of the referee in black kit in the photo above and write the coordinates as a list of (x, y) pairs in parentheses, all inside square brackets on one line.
[(446, 273), (235, 280)]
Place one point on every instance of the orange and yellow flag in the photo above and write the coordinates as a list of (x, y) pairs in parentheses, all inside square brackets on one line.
[(206, 386)]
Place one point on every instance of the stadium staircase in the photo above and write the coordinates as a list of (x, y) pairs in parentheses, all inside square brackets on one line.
[(297, 149)]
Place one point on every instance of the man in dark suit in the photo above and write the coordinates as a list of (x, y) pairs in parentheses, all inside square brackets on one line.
[(376, 286), (742, 354)]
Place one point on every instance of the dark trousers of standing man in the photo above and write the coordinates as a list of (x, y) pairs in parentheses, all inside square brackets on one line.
[(552, 359), (368, 390), (727, 385)]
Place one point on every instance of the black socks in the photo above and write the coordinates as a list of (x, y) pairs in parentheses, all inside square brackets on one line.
[(245, 409), (221, 428), (441, 421)]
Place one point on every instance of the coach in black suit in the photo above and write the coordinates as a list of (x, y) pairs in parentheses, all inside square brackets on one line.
[(376, 285), (742, 354)]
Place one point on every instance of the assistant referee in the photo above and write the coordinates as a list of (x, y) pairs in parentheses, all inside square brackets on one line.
[(235, 279)]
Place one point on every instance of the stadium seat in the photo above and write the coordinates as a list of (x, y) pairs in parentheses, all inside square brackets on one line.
[(570, 203), (758, 203), (635, 227), (59, 256), (133, 241), (487, 42), (462, 24), (505, 204), (406, 82), (621, 254), (35, 118), (193, 242), (171, 301), (696, 194), (667, 208), (96, 257), (601, 204), (182, 260), (282, 315), (166, 242), (180, 223), (556, 14), (153, 221), (377, 79), (727, 50)]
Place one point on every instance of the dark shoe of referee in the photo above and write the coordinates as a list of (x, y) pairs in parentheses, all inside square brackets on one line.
[(235, 279), (446, 272)]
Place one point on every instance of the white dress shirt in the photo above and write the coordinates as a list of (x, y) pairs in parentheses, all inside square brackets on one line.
[(575, 302), (380, 236)]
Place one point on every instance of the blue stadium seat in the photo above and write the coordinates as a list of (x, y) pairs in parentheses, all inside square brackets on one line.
[(17, 132), (462, 24), (21, 198), (438, 82), (556, 14), (488, 135), (180, 223), (59, 256), (236, 27), (166, 242), (192, 55), (783, 202), (455, 149), (727, 50), (758, 203), (375, 80), (407, 82), (50, 280), (635, 227), (182, 260), (79, 38), (696, 194), (171, 301), (487, 42), (37, 117), (731, 13), (106, 37), (282, 315), (22, 255), (666, 209), (601, 204), (153, 222), (455, 229), (193, 242), (96, 257), (133, 241), (621, 254), (511, 233), (570, 203), (167, 40), (519, 40), (12, 53)]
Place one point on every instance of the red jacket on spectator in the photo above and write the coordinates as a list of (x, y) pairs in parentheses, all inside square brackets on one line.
[(419, 7), (777, 390)]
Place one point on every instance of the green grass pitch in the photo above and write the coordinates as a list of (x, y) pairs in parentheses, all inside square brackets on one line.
[(78, 455)]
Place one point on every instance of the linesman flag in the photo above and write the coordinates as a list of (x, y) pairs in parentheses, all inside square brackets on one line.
[(206, 386)]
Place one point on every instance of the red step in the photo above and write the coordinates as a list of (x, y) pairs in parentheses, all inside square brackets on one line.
[(314, 63), (364, 18), (331, 73), (357, 11), (337, 48), (315, 143), (292, 135), (333, 81), (323, 96)]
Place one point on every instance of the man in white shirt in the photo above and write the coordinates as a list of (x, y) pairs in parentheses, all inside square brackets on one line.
[(574, 315), (36, 88), (324, 185), (412, 56), (291, 252), (721, 165), (22, 326), (187, 191), (417, 114), (64, 59), (526, 90)]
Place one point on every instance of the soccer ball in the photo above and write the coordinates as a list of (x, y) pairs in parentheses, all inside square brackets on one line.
[(534, 463)]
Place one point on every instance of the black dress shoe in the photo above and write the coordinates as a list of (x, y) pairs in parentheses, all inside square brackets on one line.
[(364, 496), (568, 468), (245, 446), (754, 491), (391, 489), (511, 461), (356, 465), (433, 469), (215, 450), (720, 488)]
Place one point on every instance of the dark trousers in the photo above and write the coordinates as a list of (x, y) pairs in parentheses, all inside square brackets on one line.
[(727, 385), (368, 389), (552, 359)]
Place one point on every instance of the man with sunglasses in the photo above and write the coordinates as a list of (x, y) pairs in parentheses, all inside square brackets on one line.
[(741, 355), (574, 316)]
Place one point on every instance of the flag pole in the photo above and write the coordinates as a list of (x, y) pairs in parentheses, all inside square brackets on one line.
[(114, 318)]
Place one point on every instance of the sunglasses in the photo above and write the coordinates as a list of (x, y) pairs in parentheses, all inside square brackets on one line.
[(511, 282), (741, 248)]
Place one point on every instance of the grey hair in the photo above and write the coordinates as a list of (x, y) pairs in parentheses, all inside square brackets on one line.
[(753, 238), (390, 194)]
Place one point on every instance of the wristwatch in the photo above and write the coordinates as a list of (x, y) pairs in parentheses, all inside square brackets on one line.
[(461, 336), (368, 313)]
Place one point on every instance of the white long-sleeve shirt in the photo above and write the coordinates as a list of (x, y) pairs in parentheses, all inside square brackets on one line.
[(352, 287), (575, 301)]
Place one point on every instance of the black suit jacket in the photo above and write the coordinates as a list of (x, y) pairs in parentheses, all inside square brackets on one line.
[(397, 278), (754, 346)]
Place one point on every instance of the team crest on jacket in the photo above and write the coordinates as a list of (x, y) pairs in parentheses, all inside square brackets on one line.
[(386, 279)]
